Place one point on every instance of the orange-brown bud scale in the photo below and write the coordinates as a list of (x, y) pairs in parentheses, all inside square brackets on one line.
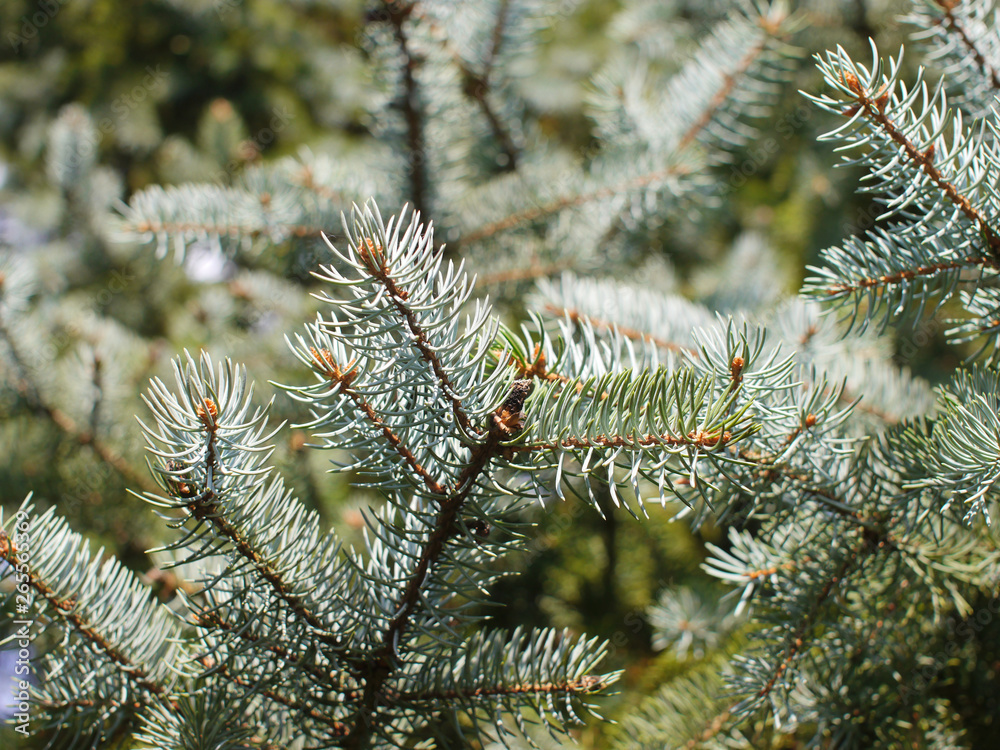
[(537, 367), (853, 83), (736, 370), (372, 256), (207, 412), (510, 422), (332, 370), (882, 99), (324, 359)]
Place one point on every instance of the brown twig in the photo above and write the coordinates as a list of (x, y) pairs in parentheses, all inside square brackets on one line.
[(585, 684), (629, 333), (382, 663), (343, 378), (397, 13), (906, 275), (232, 230), (375, 263)]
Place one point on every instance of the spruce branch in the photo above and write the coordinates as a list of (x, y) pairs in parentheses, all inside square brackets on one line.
[(935, 176), (419, 400), (729, 83), (405, 298), (529, 273), (262, 206), (793, 615), (958, 457), (983, 305), (556, 205), (601, 323), (873, 104), (933, 271), (335, 728), (342, 381), (860, 365), (796, 641), (86, 438), (955, 25), (712, 728), (126, 652), (477, 85), (668, 422), (381, 664), (375, 264), (714, 121), (212, 448), (551, 673), (211, 620), (85, 630), (305, 178), (961, 38)]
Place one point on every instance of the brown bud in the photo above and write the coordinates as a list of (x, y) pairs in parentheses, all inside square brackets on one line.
[(510, 416), (207, 407), (736, 369), (853, 83), (297, 441), (882, 99), (372, 256), (177, 486)]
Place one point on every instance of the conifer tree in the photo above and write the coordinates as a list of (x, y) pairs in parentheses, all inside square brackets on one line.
[(854, 501)]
